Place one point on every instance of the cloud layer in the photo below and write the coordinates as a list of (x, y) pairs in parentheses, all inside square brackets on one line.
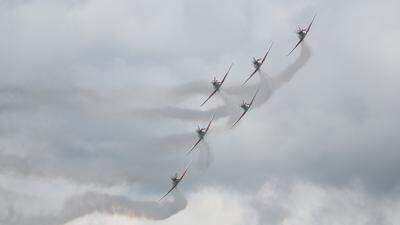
[(99, 101), (276, 202)]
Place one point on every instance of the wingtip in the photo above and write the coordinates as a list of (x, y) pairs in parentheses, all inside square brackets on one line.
[(270, 46), (188, 152), (234, 124), (159, 200), (315, 15), (245, 82)]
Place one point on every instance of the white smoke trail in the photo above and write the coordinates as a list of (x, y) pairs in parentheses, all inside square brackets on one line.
[(92, 202), (268, 86), (204, 159), (287, 74), (49, 163), (21, 98)]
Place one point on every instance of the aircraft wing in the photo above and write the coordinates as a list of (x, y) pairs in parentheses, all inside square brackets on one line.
[(239, 119), (209, 124), (254, 97), (269, 49), (183, 174), (251, 75), (213, 93), (226, 74), (173, 187), (309, 26), (301, 40), (198, 141)]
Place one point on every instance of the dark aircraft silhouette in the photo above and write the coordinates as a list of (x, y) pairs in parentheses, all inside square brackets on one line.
[(302, 33), (257, 63), (175, 181), (217, 85), (246, 106), (201, 132)]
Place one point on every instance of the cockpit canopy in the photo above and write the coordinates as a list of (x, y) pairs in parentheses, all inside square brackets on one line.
[(216, 83), (301, 32), (245, 106), (175, 177), (201, 131)]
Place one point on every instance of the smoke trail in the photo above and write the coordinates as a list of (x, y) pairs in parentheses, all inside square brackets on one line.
[(287, 74), (191, 88), (204, 159), (231, 97), (268, 85), (57, 161), (202, 153), (78, 164), (23, 97), (20, 98), (92, 202)]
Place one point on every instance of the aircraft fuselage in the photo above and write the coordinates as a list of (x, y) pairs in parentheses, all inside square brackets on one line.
[(245, 107), (257, 63), (301, 34), (201, 133), (175, 182), (216, 85)]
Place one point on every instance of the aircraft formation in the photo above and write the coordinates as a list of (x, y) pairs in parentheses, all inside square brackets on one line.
[(217, 85)]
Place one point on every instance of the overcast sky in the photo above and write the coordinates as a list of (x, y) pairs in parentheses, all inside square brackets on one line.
[(99, 102)]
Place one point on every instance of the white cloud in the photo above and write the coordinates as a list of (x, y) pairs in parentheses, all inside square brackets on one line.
[(297, 203)]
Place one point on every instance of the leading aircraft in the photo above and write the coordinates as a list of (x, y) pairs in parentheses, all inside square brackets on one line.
[(201, 132), (246, 106), (175, 181), (257, 63), (301, 34), (217, 84)]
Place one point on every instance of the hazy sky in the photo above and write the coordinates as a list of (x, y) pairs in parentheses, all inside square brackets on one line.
[(99, 102)]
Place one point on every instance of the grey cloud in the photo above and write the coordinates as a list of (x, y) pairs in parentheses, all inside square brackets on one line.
[(91, 86), (277, 202)]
